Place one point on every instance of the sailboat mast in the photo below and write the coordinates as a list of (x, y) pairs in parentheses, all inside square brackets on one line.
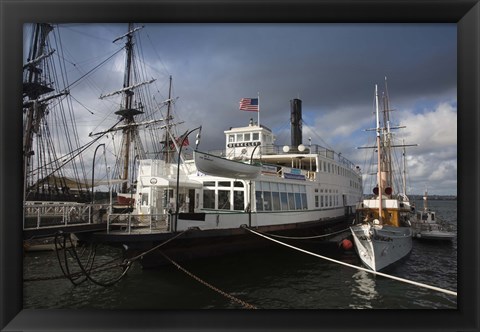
[(379, 158), (127, 116), (404, 170), (35, 88), (425, 204), (388, 137), (167, 128)]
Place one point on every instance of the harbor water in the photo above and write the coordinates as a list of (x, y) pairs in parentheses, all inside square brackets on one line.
[(273, 278)]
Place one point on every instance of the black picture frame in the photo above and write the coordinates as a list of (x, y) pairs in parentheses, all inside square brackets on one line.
[(465, 13)]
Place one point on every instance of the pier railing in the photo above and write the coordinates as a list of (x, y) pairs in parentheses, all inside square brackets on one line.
[(54, 214), (138, 222)]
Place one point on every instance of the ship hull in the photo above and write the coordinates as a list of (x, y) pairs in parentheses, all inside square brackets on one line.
[(379, 247), (200, 243)]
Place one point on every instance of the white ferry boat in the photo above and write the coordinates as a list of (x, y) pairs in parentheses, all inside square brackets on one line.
[(292, 190)]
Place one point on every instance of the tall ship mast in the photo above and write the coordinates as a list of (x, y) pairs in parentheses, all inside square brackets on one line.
[(52, 167), (137, 111)]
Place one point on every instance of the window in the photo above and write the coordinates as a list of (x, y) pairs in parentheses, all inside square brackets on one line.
[(267, 201), (238, 200), (224, 199), (304, 201), (259, 200), (246, 137), (317, 202), (224, 183), (209, 184), (144, 199), (231, 138), (291, 201), (209, 199), (255, 136), (284, 201), (239, 137), (276, 201), (298, 201), (238, 184)]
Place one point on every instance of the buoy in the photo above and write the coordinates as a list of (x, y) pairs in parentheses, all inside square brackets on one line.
[(347, 244)]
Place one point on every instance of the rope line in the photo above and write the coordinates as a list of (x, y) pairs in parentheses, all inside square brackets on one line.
[(231, 297), (156, 247), (446, 291), (306, 237)]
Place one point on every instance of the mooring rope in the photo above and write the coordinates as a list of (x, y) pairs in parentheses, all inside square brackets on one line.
[(139, 256), (446, 291), (305, 237), (227, 295)]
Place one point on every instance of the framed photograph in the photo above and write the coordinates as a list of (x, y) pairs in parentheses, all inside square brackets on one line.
[(260, 144)]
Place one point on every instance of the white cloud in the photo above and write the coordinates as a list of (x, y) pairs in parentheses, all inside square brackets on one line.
[(435, 159)]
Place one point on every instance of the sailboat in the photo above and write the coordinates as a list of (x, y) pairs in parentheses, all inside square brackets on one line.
[(382, 231)]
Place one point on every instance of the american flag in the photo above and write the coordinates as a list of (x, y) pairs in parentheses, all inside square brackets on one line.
[(249, 104)]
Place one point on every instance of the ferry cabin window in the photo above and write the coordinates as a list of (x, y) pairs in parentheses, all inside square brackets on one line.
[(291, 201), (238, 200), (317, 202), (267, 201), (208, 199), (280, 197), (276, 201), (144, 199), (259, 200), (255, 136), (239, 137), (231, 138), (284, 201), (246, 137), (224, 199), (298, 201)]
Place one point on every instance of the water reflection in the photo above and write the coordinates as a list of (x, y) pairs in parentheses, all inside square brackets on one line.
[(363, 291)]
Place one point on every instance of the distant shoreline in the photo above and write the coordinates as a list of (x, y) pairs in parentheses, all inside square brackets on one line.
[(434, 197)]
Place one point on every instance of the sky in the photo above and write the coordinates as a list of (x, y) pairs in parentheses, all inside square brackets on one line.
[(332, 68)]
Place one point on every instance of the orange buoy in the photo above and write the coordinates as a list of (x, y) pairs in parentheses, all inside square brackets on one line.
[(347, 244)]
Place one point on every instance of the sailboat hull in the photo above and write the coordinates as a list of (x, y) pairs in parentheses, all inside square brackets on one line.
[(381, 246)]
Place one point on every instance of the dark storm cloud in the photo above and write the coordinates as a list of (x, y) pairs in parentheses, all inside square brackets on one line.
[(332, 67)]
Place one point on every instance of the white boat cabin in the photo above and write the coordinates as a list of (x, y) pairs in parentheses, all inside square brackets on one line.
[(291, 179)]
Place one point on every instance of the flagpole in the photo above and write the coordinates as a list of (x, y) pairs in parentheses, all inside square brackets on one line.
[(258, 120)]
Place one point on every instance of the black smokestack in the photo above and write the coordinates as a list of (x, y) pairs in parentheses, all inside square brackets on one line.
[(296, 122)]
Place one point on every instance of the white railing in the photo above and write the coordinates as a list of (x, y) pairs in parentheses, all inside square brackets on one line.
[(55, 214), (149, 222)]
